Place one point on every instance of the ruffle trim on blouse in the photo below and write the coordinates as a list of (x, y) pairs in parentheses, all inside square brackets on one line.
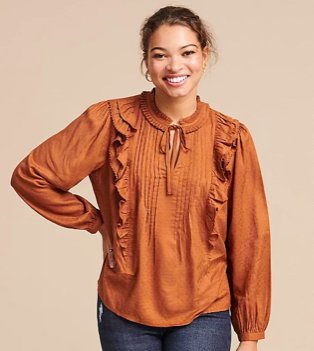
[(225, 141), (124, 120)]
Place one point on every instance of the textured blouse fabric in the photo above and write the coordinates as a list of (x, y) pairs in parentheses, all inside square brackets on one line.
[(183, 206)]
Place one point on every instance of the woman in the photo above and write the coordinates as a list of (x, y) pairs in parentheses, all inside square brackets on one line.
[(182, 207)]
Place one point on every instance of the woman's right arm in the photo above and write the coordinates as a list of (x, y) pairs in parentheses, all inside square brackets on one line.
[(43, 178)]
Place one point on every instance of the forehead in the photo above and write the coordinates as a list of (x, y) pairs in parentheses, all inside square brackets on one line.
[(173, 35)]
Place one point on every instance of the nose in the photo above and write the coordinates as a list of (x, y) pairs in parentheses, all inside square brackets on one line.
[(174, 64)]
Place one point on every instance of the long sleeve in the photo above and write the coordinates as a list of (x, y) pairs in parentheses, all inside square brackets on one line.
[(43, 178), (248, 243)]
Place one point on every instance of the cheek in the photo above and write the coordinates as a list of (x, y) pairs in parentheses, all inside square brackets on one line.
[(156, 67), (196, 64)]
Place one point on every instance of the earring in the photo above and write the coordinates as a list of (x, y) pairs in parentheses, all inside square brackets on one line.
[(204, 67), (146, 76)]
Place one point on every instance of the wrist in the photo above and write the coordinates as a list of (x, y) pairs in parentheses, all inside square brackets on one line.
[(248, 342), (247, 345)]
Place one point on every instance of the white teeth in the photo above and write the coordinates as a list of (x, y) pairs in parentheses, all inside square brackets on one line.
[(176, 79)]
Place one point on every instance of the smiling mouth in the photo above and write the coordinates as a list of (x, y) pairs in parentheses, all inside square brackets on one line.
[(176, 79)]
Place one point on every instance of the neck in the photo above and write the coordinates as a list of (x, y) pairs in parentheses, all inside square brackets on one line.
[(176, 108)]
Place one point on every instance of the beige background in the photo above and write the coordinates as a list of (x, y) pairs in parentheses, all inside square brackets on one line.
[(58, 57)]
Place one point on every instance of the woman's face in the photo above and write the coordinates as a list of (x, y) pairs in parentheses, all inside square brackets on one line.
[(175, 61)]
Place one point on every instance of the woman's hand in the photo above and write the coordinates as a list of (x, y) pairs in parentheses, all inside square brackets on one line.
[(108, 247), (247, 346)]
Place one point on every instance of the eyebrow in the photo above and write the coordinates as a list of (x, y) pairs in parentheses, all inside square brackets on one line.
[(160, 48)]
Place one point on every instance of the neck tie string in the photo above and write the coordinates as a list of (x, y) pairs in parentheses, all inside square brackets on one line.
[(172, 152)]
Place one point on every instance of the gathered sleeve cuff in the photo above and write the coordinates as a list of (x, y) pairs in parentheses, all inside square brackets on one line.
[(248, 243), (43, 178)]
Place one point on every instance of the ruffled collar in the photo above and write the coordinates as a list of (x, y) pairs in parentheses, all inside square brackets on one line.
[(161, 121)]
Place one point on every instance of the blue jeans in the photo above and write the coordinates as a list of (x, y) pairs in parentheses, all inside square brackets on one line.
[(210, 332)]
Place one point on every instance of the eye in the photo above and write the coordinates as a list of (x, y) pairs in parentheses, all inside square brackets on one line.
[(158, 56), (189, 52)]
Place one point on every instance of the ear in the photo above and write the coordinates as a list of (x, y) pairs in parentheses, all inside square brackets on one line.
[(144, 63), (205, 52)]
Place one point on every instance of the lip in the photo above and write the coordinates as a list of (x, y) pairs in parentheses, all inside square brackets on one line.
[(176, 84)]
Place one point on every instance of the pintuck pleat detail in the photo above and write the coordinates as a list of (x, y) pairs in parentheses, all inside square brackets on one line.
[(124, 122), (226, 133), (182, 128)]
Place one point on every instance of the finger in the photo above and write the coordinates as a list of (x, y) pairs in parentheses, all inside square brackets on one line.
[(111, 258)]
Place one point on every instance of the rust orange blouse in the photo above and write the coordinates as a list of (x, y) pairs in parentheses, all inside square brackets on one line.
[(183, 205)]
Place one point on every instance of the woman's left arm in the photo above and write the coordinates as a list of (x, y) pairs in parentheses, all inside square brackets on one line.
[(248, 245)]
